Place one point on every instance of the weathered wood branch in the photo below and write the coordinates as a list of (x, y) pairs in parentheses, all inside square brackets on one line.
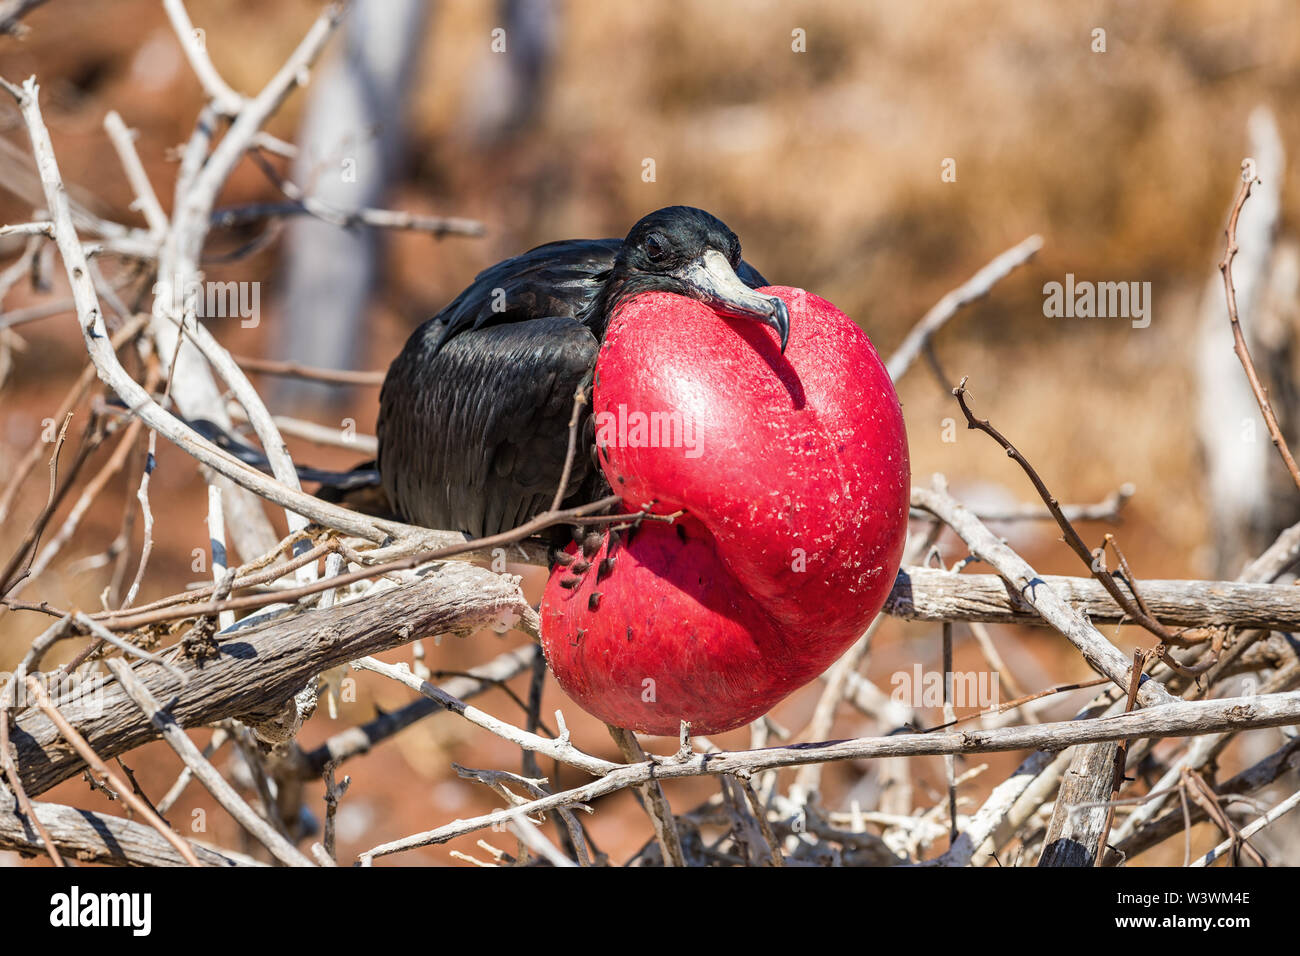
[(89, 837), (558, 749), (1178, 719), (255, 671), (1103, 656), (1253, 778), (1008, 806), (358, 740), (1080, 813), (920, 594), (931, 594), (225, 794), (110, 370)]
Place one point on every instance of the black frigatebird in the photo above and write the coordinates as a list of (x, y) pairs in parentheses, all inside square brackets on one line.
[(474, 413), (808, 462)]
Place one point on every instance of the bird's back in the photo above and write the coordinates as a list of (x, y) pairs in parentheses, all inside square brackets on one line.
[(558, 278), (474, 412)]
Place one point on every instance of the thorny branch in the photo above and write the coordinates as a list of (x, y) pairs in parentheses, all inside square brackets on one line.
[(1238, 338), (1131, 602)]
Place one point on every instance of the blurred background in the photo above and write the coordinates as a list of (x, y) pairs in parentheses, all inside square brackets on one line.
[(827, 161)]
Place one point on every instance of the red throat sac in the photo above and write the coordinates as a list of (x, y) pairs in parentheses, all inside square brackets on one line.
[(793, 478)]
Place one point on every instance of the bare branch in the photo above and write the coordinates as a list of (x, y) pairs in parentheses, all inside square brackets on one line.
[(930, 594), (560, 749), (257, 669), (1276, 813), (105, 775), (225, 99), (1239, 340), (207, 775), (146, 199), (1182, 718), (974, 288), (90, 837), (1100, 654)]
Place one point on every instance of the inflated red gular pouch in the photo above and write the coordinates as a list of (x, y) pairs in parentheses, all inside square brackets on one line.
[(792, 471)]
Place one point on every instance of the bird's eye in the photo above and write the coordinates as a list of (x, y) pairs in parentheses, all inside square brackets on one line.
[(655, 247)]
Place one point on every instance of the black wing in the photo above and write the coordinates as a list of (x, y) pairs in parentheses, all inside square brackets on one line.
[(555, 279), (473, 434)]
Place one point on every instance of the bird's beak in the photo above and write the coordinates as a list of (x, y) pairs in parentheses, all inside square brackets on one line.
[(711, 279)]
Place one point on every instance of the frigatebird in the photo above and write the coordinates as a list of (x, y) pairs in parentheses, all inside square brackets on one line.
[(789, 506), (474, 413), (784, 518)]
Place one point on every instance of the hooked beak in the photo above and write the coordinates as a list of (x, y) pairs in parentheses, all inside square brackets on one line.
[(711, 279)]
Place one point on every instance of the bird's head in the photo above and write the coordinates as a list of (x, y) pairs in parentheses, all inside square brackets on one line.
[(687, 251)]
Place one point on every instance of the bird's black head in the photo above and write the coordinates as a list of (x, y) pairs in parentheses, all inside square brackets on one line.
[(686, 250)]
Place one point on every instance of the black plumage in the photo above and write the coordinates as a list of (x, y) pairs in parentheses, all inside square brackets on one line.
[(474, 413)]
